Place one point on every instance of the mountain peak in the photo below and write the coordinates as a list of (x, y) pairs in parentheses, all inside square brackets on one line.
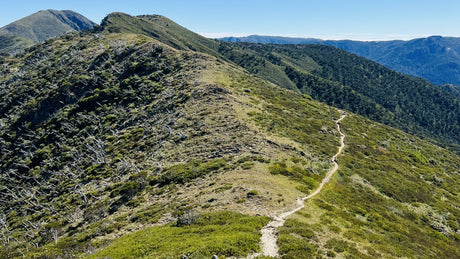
[(49, 23), (117, 14), (39, 27)]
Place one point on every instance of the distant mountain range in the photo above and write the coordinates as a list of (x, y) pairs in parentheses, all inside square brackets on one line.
[(39, 27), (434, 58)]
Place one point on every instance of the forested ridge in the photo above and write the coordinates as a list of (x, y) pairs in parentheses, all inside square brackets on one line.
[(435, 58), (351, 82)]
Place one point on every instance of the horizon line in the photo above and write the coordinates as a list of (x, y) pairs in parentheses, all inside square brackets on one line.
[(342, 36)]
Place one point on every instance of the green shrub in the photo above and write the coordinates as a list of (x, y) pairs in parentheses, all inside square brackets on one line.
[(252, 193), (126, 190), (227, 186), (309, 182), (294, 247), (150, 215), (278, 168), (337, 245), (183, 173), (418, 157), (247, 165), (297, 227)]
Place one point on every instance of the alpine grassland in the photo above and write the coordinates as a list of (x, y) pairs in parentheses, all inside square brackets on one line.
[(141, 139)]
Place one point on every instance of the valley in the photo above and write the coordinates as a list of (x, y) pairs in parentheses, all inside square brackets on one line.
[(434, 58)]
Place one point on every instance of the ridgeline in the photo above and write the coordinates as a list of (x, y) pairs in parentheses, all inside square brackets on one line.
[(141, 139)]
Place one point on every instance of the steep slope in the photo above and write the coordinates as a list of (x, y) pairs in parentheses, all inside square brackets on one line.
[(435, 58), (160, 28), (394, 196), (40, 26), (350, 82), (12, 44), (325, 73), (124, 129)]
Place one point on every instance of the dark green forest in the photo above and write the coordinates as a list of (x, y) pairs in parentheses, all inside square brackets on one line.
[(354, 83), (435, 58)]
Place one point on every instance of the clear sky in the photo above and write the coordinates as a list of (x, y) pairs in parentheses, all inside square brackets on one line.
[(325, 19)]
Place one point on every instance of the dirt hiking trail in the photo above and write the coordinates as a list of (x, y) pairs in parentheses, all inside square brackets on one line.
[(269, 232)]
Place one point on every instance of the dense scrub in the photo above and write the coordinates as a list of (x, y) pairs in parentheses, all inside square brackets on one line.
[(103, 133)]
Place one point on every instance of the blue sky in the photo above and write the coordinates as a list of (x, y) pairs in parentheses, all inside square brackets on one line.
[(325, 19)]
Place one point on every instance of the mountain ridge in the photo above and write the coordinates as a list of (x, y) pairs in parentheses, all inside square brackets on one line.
[(118, 144), (294, 68)]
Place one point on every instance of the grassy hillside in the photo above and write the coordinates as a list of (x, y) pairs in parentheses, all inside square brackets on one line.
[(329, 75), (118, 145), (122, 128), (394, 196), (13, 44)]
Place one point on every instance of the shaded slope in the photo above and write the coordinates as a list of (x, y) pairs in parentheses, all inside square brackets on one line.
[(414, 102), (434, 58), (40, 26), (350, 82)]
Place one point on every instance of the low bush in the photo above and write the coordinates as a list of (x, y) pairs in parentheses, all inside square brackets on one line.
[(294, 247), (183, 173), (222, 233)]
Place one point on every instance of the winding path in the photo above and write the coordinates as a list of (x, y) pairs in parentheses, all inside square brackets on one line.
[(269, 232)]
